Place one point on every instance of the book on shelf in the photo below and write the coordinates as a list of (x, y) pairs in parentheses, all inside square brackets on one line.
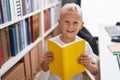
[(4, 45), (46, 20), (17, 37), (8, 41), (4, 10), (36, 5), (12, 9), (24, 33), (13, 41), (27, 6), (32, 18), (1, 17), (56, 13), (52, 16), (37, 25), (28, 29), (115, 49), (21, 35), (65, 63), (8, 10)]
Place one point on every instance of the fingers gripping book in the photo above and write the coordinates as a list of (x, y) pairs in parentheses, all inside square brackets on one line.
[(65, 63)]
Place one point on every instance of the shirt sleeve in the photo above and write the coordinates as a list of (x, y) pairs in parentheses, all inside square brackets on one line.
[(89, 52)]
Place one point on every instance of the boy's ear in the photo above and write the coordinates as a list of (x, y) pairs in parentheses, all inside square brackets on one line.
[(59, 21), (81, 25)]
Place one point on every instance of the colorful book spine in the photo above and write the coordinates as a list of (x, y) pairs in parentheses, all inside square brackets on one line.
[(21, 36), (33, 28), (36, 4), (8, 41), (4, 45), (46, 20), (24, 33), (29, 20), (27, 31), (4, 10), (37, 25), (1, 17), (17, 37), (13, 42), (12, 9), (27, 6), (8, 10), (52, 16)]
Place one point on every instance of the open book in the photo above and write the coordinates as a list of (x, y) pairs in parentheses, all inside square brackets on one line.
[(65, 63)]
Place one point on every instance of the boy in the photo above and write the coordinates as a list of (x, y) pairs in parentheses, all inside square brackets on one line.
[(70, 22)]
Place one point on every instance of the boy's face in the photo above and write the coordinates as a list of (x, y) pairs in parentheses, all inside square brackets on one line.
[(70, 24)]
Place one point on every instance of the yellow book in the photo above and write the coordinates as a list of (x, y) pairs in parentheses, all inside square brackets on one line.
[(65, 63)]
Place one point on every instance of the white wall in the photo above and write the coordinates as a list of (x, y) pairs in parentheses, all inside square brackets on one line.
[(97, 12)]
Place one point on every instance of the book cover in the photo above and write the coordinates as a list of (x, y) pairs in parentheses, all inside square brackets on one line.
[(115, 49), (65, 63), (13, 41)]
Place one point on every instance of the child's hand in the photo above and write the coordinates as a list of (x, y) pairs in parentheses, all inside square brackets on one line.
[(84, 59), (48, 57)]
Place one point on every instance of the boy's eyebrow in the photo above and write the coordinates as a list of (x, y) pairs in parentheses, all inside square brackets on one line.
[(76, 22)]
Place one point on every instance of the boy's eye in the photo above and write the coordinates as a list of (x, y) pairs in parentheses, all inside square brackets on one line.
[(75, 23), (66, 21)]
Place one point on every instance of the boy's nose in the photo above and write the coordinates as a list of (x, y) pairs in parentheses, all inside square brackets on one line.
[(70, 25)]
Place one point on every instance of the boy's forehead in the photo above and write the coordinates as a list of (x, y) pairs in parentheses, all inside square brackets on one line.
[(71, 14)]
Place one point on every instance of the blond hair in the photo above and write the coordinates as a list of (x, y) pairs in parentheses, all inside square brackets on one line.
[(71, 8)]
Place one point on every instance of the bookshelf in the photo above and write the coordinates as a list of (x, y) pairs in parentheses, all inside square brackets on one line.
[(40, 32)]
